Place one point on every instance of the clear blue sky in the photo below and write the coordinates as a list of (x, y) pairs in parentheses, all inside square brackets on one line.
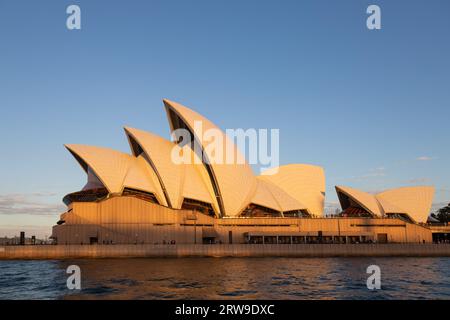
[(371, 107)]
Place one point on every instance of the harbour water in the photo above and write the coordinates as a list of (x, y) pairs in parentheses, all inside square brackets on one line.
[(227, 278)]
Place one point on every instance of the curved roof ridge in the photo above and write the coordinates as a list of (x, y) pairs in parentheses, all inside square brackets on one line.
[(172, 175), (158, 153), (233, 183), (284, 199), (142, 177), (404, 188), (197, 181), (109, 165), (264, 197)]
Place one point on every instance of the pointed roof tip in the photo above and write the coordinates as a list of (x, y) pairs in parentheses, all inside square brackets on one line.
[(133, 131), (75, 145), (167, 101), (128, 128), (69, 146), (168, 104), (74, 148), (347, 188), (173, 104)]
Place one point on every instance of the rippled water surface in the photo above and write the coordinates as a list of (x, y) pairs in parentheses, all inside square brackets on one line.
[(228, 278)]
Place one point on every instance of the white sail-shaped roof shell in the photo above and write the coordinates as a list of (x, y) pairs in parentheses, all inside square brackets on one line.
[(117, 170), (141, 176), (264, 197), (364, 199), (234, 182), (272, 196), (228, 187), (157, 152), (303, 182), (413, 201), (179, 180), (197, 184)]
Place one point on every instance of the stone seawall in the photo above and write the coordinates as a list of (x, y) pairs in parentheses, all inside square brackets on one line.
[(224, 250)]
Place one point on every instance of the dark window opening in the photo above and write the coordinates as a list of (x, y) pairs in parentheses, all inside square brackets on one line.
[(298, 239), (351, 208), (135, 146), (255, 240), (270, 239), (196, 205), (355, 212), (208, 240), (401, 216), (254, 210), (284, 240), (91, 195), (296, 214), (441, 237), (147, 196)]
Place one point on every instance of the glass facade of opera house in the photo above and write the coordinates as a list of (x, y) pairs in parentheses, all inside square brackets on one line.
[(146, 197)]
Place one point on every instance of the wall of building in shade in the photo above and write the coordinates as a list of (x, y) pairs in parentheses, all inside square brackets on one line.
[(128, 220)]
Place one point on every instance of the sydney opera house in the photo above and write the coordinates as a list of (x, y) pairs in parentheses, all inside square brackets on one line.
[(144, 197)]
